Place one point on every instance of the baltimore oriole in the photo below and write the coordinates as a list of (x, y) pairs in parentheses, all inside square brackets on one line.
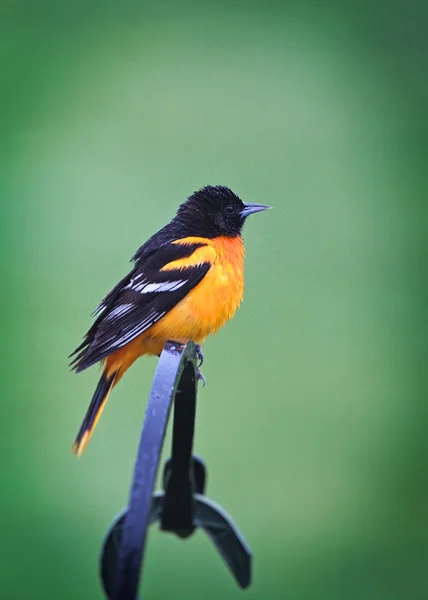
[(187, 282)]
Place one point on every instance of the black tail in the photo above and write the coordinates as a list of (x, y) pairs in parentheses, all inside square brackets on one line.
[(93, 413)]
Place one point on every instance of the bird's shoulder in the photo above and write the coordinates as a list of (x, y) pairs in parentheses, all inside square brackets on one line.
[(158, 266)]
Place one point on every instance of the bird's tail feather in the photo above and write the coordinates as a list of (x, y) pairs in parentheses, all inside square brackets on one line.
[(94, 411)]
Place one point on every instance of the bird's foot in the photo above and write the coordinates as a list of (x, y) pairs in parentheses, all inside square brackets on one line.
[(200, 377), (199, 354)]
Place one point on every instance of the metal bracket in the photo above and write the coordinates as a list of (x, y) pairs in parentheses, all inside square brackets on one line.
[(181, 507)]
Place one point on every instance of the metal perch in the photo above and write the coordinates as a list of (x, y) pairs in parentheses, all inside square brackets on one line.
[(182, 506)]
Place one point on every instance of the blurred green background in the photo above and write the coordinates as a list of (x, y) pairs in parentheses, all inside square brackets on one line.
[(313, 423)]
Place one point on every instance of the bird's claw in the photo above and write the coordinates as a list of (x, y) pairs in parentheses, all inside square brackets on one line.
[(200, 377), (199, 354)]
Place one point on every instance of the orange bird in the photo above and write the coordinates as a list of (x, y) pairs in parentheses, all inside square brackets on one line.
[(187, 282)]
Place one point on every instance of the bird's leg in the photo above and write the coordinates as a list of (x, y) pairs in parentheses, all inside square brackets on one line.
[(200, 357), (199, 354)]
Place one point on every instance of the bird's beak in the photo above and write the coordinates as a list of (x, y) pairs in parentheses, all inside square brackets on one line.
[(249, 209)]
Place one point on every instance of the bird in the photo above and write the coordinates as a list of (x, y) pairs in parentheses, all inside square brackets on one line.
[(187, 281)]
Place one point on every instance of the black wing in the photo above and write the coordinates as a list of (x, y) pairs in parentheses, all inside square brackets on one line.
[(138, 301)]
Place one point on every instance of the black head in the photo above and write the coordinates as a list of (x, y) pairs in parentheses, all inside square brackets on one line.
[(215, 211)]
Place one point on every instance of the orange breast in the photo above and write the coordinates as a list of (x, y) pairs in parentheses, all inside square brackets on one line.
[(214, 300)]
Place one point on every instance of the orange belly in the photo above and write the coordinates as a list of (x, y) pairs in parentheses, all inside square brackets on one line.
[(203, 311)]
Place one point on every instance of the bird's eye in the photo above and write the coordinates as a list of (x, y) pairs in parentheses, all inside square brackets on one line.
[(229, 210)]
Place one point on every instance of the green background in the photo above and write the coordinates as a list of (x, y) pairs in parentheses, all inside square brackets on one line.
[(313, 421)]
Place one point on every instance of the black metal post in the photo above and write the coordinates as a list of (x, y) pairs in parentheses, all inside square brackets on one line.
[(181, 507)]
